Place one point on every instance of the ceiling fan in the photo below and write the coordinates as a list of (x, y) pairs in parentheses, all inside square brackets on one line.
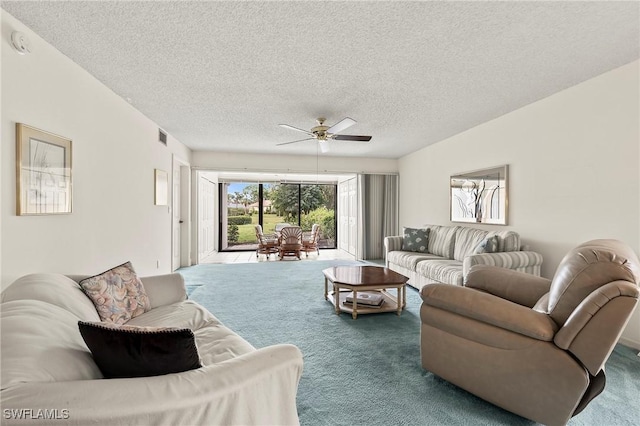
[(323, 133)]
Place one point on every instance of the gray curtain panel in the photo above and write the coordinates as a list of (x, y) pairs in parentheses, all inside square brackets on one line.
[(378, 209)]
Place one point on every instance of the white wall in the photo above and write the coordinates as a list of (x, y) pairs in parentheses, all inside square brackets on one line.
[(574, 170), (115, 152)]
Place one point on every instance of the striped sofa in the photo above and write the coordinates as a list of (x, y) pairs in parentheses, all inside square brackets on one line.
[(451, 253)]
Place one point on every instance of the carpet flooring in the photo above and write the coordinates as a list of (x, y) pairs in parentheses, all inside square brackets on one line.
[(367, 371)]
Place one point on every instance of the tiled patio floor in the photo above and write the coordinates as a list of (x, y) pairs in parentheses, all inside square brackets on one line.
[(250, 256)]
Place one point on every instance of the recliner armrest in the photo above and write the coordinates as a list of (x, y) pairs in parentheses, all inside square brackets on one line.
[(610, 304), (518, 287), (490, 309)]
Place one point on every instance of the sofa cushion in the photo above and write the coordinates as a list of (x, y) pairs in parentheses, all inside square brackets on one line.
[(216, 343), (415, 239), (122, 351), (118, 294), (467, 239), (40, 343), (444, 271), (442, 240), (507, 240), (409, 259)]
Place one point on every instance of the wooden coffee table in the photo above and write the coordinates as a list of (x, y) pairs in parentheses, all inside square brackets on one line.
[(346, 279)]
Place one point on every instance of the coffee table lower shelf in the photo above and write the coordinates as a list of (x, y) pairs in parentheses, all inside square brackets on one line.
[(390, 303)]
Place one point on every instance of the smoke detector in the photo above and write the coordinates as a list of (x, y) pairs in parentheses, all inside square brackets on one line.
[(20, 42)]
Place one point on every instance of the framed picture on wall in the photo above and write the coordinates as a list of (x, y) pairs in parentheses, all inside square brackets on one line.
[(480, 196), (161, 188), (43, 172)]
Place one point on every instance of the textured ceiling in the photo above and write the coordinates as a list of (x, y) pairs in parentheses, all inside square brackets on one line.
[(222, 75)]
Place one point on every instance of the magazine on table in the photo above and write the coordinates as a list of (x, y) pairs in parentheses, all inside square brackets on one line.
[(368, 298), (363, 305)]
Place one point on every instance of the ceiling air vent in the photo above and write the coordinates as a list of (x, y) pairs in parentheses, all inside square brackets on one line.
[(162, 137)]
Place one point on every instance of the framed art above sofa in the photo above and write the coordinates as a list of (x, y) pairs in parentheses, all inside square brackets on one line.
[(43, 163), (480, 196)]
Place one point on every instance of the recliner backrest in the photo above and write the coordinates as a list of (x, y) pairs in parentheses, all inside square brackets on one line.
[(586, 268)]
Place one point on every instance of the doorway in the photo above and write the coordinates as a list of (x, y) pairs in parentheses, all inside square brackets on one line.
[(180, 214), (243, 205)]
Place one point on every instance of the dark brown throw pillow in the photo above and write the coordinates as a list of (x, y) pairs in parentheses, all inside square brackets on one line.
[(130, 351)]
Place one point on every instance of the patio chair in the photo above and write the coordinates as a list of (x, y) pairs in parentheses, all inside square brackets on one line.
[(290, 241), (310, 241), (267, 244), (280, 226)]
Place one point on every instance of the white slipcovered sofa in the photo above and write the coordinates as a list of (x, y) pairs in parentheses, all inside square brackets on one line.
[(49, 375), (450, 253)]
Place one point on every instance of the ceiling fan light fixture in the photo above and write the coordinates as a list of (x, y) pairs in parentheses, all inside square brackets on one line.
[(323, 133)]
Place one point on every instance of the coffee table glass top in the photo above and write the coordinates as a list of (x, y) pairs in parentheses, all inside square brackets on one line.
[(363, 275)]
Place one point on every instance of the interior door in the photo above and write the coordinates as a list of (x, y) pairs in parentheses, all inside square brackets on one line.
[(175, 222)]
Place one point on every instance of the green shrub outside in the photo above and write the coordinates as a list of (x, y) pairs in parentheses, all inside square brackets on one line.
[(239, 220), (235, 211), (232, 233), (323, 217), (247, 233)]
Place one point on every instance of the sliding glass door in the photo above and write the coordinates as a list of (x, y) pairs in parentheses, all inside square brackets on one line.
[(318, 205), (244, 205), (237, 215), (306, 204)]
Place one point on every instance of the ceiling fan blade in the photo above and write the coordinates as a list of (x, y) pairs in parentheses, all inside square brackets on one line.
[(286, 126), (301, 140), (354, 138), (341, 125)]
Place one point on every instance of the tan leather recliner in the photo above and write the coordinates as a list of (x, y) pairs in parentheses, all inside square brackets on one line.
[(533, 346)]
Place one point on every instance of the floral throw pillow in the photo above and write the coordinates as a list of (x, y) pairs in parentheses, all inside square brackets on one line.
[(118, 294), (417, 240)]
